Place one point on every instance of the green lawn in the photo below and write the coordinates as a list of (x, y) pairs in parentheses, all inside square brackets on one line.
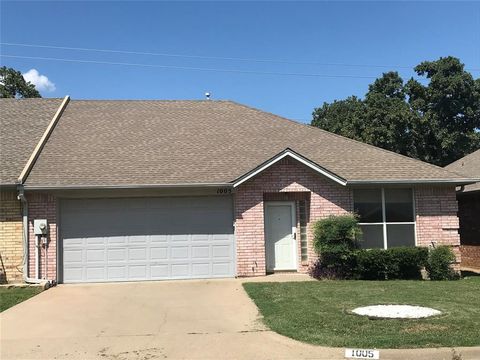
[(319, 312), (15, 295)]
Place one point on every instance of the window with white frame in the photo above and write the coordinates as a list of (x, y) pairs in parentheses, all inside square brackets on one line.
[(387, 217)]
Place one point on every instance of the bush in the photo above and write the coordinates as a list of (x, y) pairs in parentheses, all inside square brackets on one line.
[(335, 241), (336, 232), (372, 264), (395, 263), (439, 264), (408, 261)]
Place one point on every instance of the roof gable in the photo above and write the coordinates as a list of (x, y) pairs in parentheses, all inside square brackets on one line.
[(293, 155)]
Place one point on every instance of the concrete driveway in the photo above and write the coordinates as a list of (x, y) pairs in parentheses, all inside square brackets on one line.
[(154, 320)]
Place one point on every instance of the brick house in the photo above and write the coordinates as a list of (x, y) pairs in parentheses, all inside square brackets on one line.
[(146, 190), (468, 198)]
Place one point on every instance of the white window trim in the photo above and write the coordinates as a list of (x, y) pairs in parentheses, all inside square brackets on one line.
[(384, 223)]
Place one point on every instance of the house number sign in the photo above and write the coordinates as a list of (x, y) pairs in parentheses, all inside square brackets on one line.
[(224, 190), (362, 354)]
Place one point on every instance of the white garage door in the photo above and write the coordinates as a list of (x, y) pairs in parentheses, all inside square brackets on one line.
[(147, 238)]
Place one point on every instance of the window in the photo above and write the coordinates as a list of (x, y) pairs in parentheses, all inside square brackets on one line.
[(302, 206), (387, 217)]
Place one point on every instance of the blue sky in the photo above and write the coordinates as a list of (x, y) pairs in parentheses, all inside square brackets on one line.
[(360, 34)]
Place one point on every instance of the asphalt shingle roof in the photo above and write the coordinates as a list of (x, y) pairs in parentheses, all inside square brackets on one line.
[(128, 143), (22, 124), (468, 166)]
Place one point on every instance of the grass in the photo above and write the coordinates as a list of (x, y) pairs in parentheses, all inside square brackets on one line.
[(15, 295), (319, 312)]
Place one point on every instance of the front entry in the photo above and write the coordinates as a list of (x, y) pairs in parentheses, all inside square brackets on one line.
[(280, 244)]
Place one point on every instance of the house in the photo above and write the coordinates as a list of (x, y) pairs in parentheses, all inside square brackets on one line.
[(468, 198), (145, 190)]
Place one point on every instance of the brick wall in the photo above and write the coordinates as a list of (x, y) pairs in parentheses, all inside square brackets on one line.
[(470, 256), (436, 217), (436, 211), (287, 176), (11, 239), (43, 206)]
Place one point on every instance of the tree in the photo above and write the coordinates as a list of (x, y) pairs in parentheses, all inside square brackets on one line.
[(437, 122), (448, 108), (13, 85)]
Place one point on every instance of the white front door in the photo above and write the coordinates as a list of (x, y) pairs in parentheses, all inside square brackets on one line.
[(280, 249)]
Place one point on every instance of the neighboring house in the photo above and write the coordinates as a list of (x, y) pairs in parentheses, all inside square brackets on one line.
[(469, 209), (22, 123), (146, 190)]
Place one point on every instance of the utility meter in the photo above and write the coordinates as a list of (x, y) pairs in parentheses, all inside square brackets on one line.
[(40, 227)]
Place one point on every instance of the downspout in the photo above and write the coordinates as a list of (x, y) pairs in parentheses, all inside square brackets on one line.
[(26, 248)]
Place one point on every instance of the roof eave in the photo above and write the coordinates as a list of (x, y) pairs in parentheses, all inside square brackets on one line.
[(414, 181), (125, 186)]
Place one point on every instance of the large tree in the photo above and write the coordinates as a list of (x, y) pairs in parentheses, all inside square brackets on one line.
[(437, 122), (13, 85)]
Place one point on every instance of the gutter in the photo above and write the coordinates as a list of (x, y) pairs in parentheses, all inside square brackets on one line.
[(140, 186), (414, 181)]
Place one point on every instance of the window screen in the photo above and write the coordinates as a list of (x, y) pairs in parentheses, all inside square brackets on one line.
[(398, 205), (368, 205)]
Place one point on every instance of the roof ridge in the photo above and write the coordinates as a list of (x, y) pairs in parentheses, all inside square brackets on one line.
[(340, 136)]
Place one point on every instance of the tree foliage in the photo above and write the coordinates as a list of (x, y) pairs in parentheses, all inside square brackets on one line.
[(13, 85), (436, 122)]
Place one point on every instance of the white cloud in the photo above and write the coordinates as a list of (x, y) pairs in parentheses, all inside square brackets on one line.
[(41, 82)]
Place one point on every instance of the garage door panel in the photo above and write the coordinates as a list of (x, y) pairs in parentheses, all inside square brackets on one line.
[(200, 252), (199, 237), (141, 239), (95, 273), (138, 239), (116, 272), (137, 254), (180, 270), (158, 253), (221, 268), (117, 240), (94, 255), (158, 238), (73, 255), (221, 251), (116, 254), (137, 272), (74, 274), (201, 269), (159, 271), (179, 252)]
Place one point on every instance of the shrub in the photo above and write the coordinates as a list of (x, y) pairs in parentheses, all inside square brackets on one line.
[(408, 261), (439, 264), (395, 263), (335, 240), (336, 232), (372, 264)]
